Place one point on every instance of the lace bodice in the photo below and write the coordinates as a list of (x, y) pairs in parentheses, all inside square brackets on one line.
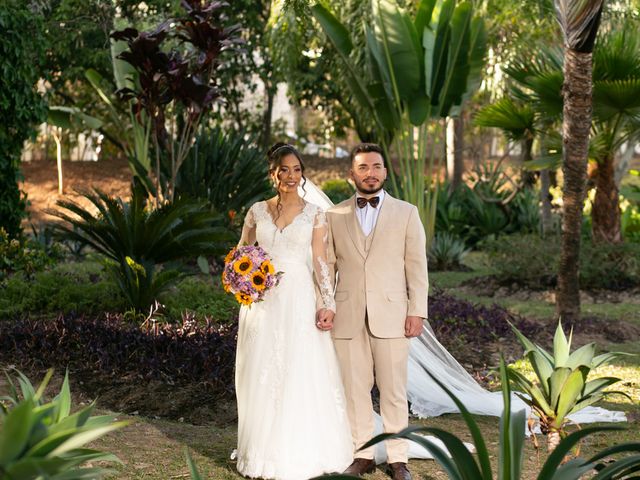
[(304, 240)]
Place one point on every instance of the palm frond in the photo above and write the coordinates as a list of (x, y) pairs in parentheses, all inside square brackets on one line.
[(579, 20), (516, 121)]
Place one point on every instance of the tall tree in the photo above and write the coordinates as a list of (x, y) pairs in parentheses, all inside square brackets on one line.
[(22, 107), (579, 21)]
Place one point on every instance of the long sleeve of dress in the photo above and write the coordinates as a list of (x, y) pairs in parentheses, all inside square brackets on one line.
[(248, 236), (319, 248)]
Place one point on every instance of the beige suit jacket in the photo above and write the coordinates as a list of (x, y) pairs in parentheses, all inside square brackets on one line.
[(383, 275)]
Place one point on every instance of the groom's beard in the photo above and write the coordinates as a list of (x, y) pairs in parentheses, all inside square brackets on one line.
[(366, 190)]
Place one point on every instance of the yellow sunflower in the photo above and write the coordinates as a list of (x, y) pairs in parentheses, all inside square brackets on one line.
[(267, 268), (258, 280), (243, 265), (243, 299)]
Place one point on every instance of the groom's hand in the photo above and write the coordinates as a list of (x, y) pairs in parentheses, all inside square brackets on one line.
[(324, 319), (412, 326)]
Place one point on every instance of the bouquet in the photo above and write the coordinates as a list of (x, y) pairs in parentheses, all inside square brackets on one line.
[(248, 274)]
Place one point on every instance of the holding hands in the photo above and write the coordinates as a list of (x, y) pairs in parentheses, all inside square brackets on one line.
[(324, 319)]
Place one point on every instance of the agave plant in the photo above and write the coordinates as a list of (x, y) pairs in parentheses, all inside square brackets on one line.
[(447, 251), (460, 464), (41, 439), (137, 240), (561, 386)]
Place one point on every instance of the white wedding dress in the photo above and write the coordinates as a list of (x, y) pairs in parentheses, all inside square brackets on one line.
[(292, 422)]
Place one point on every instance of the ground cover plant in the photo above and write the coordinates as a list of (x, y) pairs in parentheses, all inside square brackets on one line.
[(107, 350)]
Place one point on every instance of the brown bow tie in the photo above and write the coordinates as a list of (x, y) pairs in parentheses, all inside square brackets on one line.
[(373, 201)]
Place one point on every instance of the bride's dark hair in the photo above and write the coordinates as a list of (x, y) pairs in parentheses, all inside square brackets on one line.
[(275, 155)]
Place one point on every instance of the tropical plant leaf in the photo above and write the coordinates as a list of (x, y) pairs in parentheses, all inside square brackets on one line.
[(512, 436), (582, 356), (436, 66), (15, 431), (63, 400), (569, 395), (193, 470), (561, 347), (458, 66), (617, 98), (516, 121), (339, 37), (398, 41)]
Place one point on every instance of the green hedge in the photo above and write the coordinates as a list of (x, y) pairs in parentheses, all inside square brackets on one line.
[(532, 261), (85, 288), (72, 287)]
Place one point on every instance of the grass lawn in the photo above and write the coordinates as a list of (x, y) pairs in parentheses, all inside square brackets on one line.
[(154, 449)]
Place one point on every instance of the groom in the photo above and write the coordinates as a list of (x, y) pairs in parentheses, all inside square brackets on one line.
[(377, 246)]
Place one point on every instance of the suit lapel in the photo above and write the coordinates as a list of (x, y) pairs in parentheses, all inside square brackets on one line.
[(354, 229)]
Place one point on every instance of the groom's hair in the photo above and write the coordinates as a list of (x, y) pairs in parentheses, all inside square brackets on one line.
[(367, 148)]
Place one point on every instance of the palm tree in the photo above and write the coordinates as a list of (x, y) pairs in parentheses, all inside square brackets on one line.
[(616, 112), (579, 21)]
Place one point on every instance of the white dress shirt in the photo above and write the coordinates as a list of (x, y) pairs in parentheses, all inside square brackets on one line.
[(368, 215)]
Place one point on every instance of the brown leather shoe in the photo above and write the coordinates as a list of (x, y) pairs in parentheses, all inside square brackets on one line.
[(360, 466), (399, 471)]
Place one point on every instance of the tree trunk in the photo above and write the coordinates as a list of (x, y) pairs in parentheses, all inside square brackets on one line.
[(553, 439), (57, 136), (605, 215), (576, 124), (528, 177), (458, 151), (265, 139), (545, 202), (622, 160), (454, 151)]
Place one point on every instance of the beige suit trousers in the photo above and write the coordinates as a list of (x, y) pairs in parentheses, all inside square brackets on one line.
[(359, 358)]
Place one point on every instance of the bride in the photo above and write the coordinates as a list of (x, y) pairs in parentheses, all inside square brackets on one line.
[(292, 423)]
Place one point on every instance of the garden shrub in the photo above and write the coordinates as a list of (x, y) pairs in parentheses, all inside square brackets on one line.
[(196, 352), (204, 299), (21, 255), (144, 248), (72, 287), (22, 48), (532, 261), (465, 213), (337, 190)]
